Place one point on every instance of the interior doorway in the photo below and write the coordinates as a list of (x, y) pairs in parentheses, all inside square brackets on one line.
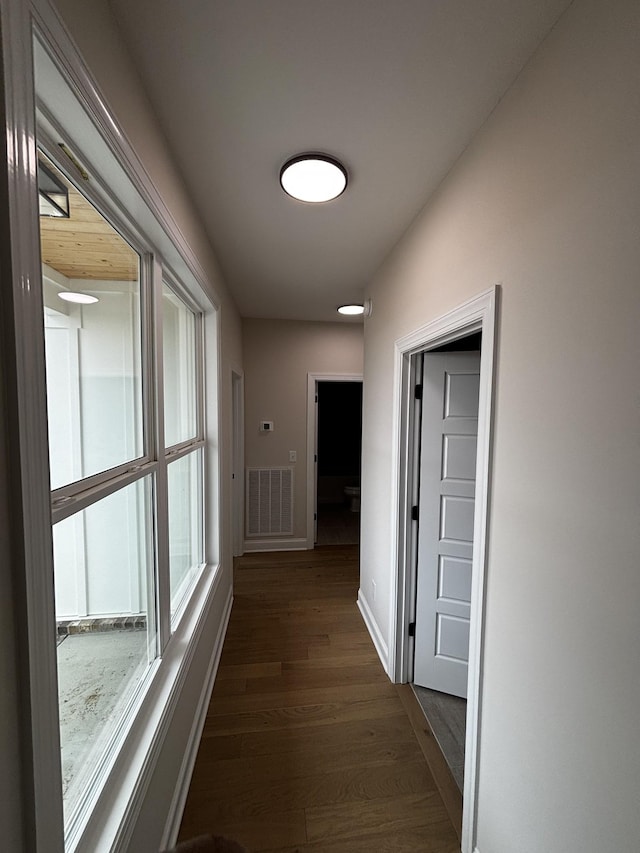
[(339, 441), (334, 441), (447, 411), (477, 315)]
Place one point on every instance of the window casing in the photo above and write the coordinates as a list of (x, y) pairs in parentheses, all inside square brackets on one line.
[(126, 455), (110, 505)]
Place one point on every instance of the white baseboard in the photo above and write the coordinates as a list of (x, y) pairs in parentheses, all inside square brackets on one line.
[(374, 630), (260, 545), (172, 826)]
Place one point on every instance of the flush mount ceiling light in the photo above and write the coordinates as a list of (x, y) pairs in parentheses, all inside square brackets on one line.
[(80, 298), (351, 310), (313, 178)]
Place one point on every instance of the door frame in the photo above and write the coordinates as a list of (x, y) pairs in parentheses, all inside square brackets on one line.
[(478, 314), (312, 442)]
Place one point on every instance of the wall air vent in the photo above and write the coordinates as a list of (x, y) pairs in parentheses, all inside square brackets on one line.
[(269, 501)]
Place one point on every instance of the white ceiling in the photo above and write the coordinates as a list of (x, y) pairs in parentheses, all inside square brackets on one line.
[(395, 89)]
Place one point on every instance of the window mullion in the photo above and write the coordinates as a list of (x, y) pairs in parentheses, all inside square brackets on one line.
[(94, 484), (161, 484), (63, 505), (184, 449), (149, 376), (200, 377)]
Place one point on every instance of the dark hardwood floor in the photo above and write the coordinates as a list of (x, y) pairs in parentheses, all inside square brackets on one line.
[(307, 746)]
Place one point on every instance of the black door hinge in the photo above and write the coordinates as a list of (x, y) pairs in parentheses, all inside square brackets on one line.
[(414, 513), (315, 516), (418, 392), (412, 629)]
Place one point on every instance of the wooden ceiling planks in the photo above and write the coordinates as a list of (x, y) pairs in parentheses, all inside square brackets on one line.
[(85, 246)]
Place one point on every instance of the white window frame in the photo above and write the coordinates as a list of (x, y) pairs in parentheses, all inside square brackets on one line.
[(184, 448), (73, 497), (115, 801)]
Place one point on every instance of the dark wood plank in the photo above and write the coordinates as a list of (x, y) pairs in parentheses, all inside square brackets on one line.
[(235, 797), (367, 816)]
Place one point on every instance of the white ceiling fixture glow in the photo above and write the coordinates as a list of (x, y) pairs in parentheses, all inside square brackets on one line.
[(313, 178), (80, 298), (351, 310)]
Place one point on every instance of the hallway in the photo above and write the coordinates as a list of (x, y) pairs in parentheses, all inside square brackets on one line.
[(307, 745)]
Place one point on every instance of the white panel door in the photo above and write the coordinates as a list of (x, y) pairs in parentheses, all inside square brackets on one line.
[(449, 433)]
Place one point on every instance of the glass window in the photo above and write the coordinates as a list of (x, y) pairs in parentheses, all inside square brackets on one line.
[(128, 540), (104, 560), (179, 367), (106, 636), (91, 290), (186, 548)]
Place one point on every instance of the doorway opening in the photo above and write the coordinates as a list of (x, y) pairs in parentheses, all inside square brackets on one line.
[(455, 515), (339, 440), (334, 408), (447, 425)]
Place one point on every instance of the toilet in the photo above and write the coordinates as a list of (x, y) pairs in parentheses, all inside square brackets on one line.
[(353, 494)]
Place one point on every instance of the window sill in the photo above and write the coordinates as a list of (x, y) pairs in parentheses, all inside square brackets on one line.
[(109, 817)]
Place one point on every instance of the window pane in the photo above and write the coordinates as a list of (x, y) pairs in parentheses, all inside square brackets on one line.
[(185, 524), (94, 388), (179, 349), (103, 564)]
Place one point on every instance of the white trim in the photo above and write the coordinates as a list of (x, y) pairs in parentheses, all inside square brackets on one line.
[(477, 314), (252, 546), (374, 630), (43, 817), (176, 809), (212, 370), (312, 425)]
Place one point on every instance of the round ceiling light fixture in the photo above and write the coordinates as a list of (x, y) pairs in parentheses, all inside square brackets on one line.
[(79, 298), (313, 178), (351, 310)]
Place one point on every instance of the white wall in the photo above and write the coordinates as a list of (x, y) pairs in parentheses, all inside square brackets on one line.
[(546, 200), (278, 355)]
